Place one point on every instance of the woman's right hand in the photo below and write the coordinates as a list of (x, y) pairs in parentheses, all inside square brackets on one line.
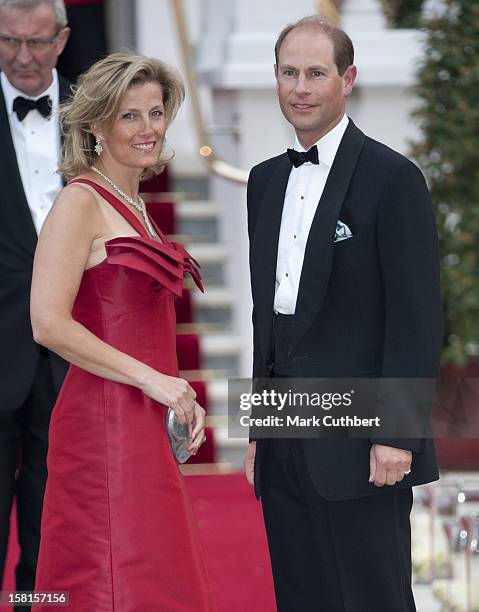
[(174, 392)]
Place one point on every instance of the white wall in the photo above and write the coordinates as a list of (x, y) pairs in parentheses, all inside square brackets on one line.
[(156, 36)]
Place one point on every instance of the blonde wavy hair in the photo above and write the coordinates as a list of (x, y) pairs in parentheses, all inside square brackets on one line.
[(96, 101)]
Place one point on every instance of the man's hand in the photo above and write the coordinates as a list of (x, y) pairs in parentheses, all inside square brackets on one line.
[(249, 462), (388, 465)]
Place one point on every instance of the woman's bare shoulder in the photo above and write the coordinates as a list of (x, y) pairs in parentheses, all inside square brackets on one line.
[(75, 205), (77, 197), (77, 190)]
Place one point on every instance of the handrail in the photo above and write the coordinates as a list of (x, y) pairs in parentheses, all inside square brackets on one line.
[(328, 8), (216, 165)]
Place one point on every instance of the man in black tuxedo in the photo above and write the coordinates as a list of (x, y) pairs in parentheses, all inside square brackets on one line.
[(32, 36), (345, 283)]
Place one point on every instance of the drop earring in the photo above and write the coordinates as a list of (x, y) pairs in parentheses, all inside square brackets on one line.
[(98, 147)]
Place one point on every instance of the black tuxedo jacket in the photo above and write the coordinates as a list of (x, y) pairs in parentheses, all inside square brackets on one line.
[(369, 306), (18, 239)]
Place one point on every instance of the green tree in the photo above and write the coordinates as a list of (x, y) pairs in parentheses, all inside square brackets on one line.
[(448, 153), (403, 13)]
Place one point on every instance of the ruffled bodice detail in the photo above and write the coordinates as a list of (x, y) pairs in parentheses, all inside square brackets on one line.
[(167, 263)]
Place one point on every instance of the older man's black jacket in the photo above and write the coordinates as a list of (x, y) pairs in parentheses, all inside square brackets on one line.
[(18, 240)]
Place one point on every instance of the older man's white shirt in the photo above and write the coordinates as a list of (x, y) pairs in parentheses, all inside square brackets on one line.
[(37, 145)]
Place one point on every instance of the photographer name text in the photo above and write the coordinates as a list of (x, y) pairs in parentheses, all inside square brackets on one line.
[(314, 421)]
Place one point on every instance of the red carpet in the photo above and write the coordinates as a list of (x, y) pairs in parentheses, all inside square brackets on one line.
[(234, 542), (8, 578)]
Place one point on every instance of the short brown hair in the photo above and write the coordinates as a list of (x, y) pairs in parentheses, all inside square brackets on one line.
[(343, 49), (98, 97)]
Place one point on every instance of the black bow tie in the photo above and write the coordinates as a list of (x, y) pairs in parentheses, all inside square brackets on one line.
[(297, 158), (22, 106)]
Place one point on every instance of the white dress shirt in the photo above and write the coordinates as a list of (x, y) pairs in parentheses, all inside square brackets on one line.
[(37, 145), (305, 187)]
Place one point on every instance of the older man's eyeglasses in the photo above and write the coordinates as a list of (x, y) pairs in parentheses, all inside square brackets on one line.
[(33, 44)]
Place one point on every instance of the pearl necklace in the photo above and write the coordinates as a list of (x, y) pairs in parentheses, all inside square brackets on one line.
[(140, 205)]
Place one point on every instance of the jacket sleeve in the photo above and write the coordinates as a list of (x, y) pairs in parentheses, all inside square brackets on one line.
[(252, 215), (258, 361), (409, 262)]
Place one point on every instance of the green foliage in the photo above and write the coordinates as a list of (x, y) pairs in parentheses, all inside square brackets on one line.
[(403, 13), (448, 153)]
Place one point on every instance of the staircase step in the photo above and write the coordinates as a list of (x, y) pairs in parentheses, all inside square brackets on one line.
[(230, 450), (211, 258), (197, 209), (218, 394), (200, 328), (204, 375), (214, 306), (221, 351), (209, 253), (188, 238), (198, 218), (213, 297), (219, 345)]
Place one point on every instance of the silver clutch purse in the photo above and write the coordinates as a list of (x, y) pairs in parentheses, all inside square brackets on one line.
[(179, 437)]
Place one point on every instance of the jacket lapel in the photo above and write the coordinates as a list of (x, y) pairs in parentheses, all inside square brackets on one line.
[(13, 200), (265, 249), (64, 89), (318, 255)]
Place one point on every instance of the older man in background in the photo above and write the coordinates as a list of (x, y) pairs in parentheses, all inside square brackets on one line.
[(33, 34)]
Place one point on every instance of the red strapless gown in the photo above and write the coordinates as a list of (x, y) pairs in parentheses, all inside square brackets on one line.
[(117, 529)]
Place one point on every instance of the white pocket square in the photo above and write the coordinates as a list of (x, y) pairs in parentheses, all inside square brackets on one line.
[(342, 232)]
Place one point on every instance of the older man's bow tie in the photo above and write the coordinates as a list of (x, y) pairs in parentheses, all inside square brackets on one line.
[(298, 158), (22, 106)]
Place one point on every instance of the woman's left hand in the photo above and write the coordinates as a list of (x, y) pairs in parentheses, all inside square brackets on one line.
[(198, 432)]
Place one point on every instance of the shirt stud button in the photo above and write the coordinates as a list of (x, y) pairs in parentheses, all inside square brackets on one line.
[(302, 197), (287, 274)]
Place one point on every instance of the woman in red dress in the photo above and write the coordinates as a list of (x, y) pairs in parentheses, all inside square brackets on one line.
[(117, 529)]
